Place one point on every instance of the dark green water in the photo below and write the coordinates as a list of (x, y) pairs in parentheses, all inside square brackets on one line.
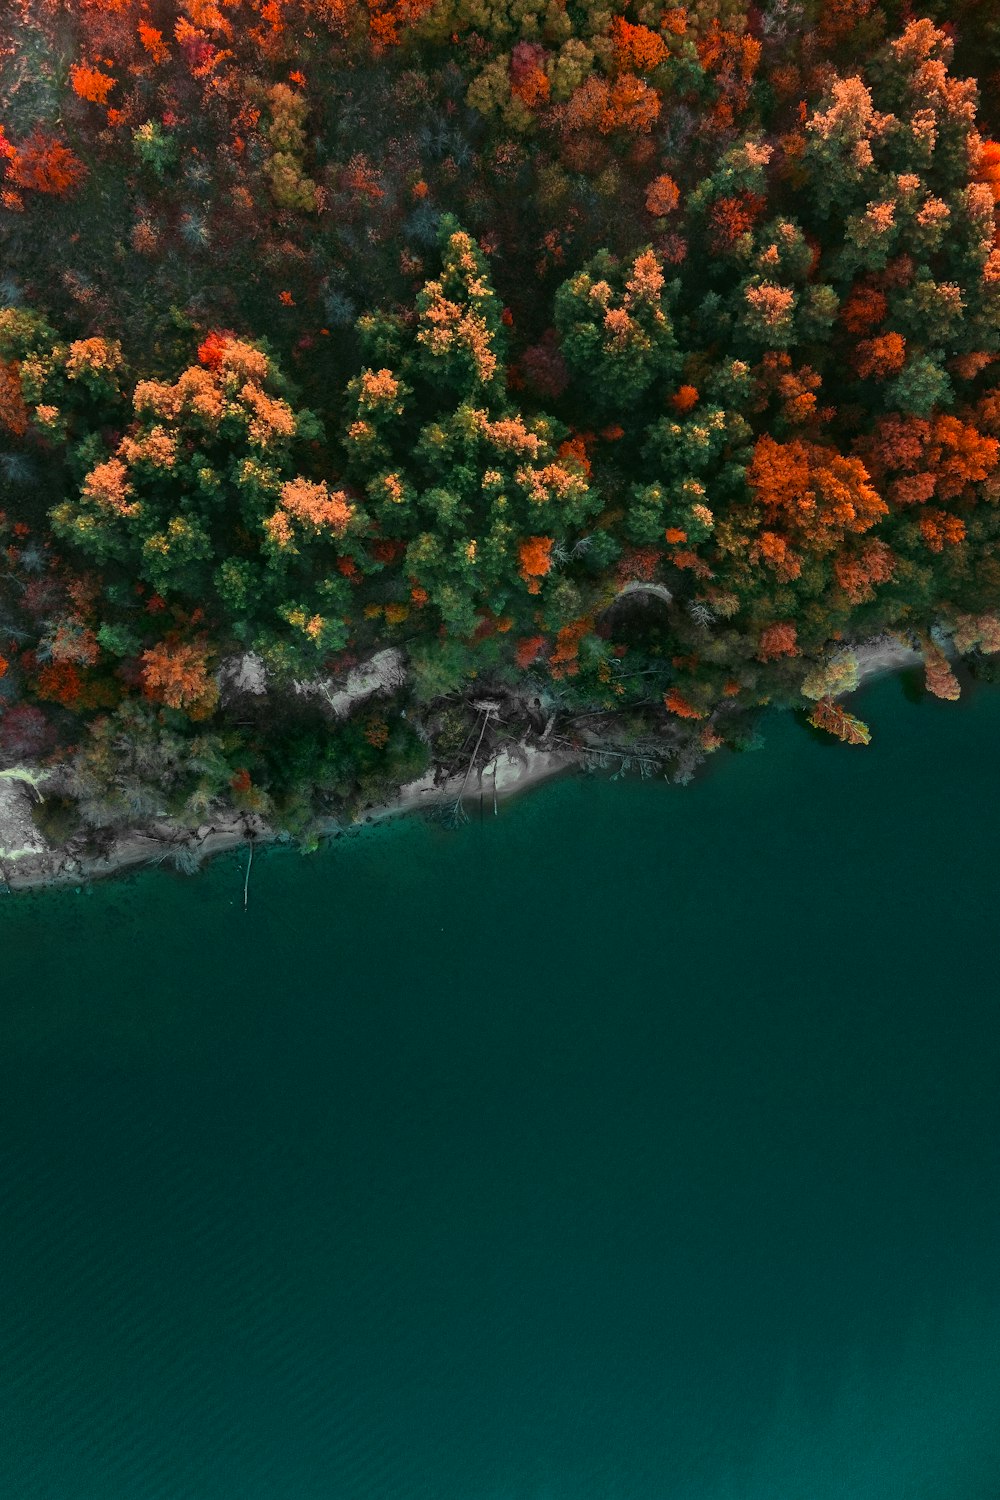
[(641, 1144)]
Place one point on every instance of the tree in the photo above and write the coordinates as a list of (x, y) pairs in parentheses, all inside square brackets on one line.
[(939, 679), (828, 679), (481, 495), (615, 329), (778, 640), (811, 496), (176, 673), (837, 721), (460, 342), (200, 500), (44, 164)]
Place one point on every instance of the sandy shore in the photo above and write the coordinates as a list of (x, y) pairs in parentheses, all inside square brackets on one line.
[(27, 862), (885, 654), (39, 864), (30, 863), (512, 770)]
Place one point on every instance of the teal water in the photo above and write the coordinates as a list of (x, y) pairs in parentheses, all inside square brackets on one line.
[(642, 1143)]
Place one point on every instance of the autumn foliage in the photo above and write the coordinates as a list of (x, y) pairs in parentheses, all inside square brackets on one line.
[(45, 164), (535, 556), (837, 721), (176, 673), (938, 675), (650, 349), (90, 83)]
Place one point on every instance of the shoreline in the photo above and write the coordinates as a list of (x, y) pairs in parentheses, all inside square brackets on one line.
[(515, 770), (883, 655), (34, 868)]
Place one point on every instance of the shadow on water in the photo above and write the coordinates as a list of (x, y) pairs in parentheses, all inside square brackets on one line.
[(911, 682), (821, 738)]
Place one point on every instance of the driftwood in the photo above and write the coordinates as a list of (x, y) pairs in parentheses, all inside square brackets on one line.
[(246, 883)]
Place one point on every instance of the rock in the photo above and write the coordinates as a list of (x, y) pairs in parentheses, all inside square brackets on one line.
[(655, 590), (19, 836), (382, 673), (242, 674)]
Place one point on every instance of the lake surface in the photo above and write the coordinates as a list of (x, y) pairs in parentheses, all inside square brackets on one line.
[(642, 1143)]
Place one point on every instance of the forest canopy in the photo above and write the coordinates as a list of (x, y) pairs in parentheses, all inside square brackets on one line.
[(636, 360)]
